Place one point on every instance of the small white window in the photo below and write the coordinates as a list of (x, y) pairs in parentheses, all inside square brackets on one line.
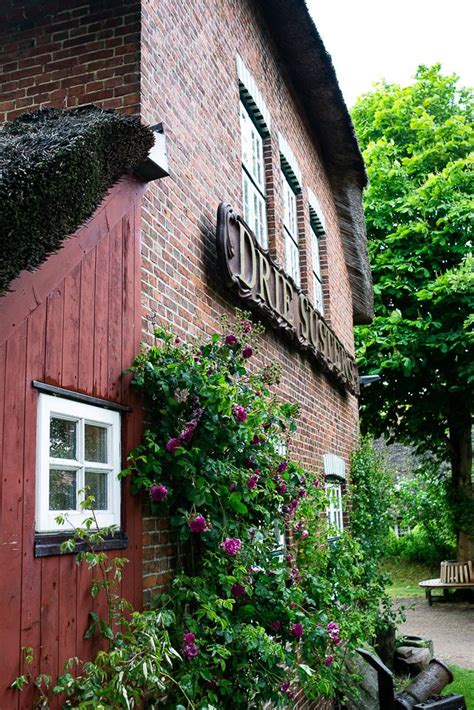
[(290, 223), (334, 506), (317, 280), (78, 448), (335, 472), (253, 178)]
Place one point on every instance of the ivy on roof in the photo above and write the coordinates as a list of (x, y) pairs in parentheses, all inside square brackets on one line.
[(55, 168)]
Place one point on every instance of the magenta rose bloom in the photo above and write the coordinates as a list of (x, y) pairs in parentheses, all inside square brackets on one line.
[(232, 487), (247, 352), (239, 412), (238, 590), (172, 445), (284, 687), (329, 660), (283, 466), (247, 326), (302, 493), (158, 493), (231, 546), (189, 649), (281, 488), (230, 340), (333, 632), (305, 534), (252, 482), (297, 631), (276, 626), (198, 524)]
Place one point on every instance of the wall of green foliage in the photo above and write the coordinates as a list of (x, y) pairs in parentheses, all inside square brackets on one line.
[(55, 168)]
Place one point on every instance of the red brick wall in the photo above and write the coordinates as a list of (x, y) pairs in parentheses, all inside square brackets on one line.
[(183, 63), (66, 53), (189, 81)]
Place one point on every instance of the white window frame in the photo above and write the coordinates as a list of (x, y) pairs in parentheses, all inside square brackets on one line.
[(335, 472), (57, 407), (253, 177), (317, 278), (334, 510), (290, 229)]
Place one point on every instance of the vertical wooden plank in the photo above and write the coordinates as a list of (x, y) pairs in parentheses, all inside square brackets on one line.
[(70, 351), (54, 335), (11, 514), (101, 317), (50, 631), (49, 626), (84, 647), (31, 567), (131, 305), (114, 355), (67, 609), (86, 323), (3, 363)]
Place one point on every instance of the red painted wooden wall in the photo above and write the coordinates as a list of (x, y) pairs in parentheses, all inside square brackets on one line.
[(74, 323)]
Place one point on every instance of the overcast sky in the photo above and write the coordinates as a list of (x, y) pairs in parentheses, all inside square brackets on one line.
[(373, 39)]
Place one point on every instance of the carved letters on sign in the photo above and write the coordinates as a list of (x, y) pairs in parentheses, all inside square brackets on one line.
[(266, 287)]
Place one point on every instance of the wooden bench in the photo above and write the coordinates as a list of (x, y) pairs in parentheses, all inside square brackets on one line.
[(453, 575)]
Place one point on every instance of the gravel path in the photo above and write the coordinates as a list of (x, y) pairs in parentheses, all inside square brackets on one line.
[(450, 626)]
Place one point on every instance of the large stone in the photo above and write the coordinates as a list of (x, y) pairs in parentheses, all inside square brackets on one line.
[(410, 660)]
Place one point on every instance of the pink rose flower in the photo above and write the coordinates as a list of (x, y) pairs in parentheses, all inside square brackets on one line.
[(297, 631), (158, 493), (198, 524), (239, 412), (231, 546), (172, 445), (247, 352), (230, 340)]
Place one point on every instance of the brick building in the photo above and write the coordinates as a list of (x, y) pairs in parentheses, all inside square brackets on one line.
[(253, 117)]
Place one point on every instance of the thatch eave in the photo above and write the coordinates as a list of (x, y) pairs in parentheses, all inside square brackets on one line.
[(313, 76)]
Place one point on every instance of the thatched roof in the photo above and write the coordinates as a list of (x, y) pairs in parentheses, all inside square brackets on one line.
[(314, 78), (55, 168)]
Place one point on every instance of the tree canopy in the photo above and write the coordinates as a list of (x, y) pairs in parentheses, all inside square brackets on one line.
[(418, 143)]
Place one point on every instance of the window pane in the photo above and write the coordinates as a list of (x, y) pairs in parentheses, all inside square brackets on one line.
[(62, 489), (289, 204), (62, 438), (255, 211), (95, 443), (318, 294), (96, 485), (292, 258)]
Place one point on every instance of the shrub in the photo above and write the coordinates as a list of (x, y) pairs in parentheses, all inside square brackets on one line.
[(254, 622)]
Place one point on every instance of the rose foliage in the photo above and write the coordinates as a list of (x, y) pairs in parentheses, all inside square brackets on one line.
[(255, 620)]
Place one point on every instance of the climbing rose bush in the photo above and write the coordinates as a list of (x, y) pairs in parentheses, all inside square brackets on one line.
[(254, 622)]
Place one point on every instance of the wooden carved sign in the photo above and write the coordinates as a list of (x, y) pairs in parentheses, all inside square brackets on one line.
[(266, 287)]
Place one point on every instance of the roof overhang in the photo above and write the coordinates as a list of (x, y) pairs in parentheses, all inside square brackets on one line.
[(312, 73)]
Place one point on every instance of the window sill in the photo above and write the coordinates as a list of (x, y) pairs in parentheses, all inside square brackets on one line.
[(48, 544)]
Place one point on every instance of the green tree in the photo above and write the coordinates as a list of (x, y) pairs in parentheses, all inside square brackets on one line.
[(418, 147)]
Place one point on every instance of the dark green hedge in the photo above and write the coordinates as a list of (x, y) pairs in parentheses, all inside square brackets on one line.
[(55, 168)]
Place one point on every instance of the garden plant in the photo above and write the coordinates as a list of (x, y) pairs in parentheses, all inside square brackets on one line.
[(247, 618)]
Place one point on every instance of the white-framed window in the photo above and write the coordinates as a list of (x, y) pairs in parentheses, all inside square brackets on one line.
[(335, 472), (253, 178), (78, 447), (317, 279), (334, 506), (290, 227)]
